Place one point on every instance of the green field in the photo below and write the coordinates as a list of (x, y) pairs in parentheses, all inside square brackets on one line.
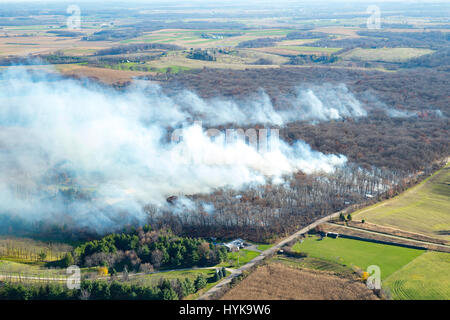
[(186, 37), (385, 54), (360, 254), (264, 247), (133, 66), (28, 269), (424, 278), (236, 259), (423, 209)]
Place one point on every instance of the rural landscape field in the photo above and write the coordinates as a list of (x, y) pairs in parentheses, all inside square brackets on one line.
[(236, 150)]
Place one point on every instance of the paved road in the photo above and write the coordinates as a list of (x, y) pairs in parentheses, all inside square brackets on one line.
[(210, 293)]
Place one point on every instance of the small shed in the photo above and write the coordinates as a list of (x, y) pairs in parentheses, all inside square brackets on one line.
[(332, 235)]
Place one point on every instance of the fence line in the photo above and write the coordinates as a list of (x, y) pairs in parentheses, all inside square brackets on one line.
[(30, 277)]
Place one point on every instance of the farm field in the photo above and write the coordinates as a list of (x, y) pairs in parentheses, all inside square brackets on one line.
[(105, 75), (385, 54), (38, 270), (315, 264), (277, 281), (360, 254), (42, 44), (422, 209), (26, 250), (426, 277), (237, 62), (194, 39)]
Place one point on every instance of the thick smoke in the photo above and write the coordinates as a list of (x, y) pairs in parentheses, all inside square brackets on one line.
[(79, 153), (315, 103)]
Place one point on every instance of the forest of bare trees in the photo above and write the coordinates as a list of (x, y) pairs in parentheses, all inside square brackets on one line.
[(263, 212)]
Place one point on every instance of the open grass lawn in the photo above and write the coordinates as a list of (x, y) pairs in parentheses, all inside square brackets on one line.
[(172, 69), (236, 259), (360, 254), (423, 209), (426, 277), (264, 247), (28, 269), (385, 54)]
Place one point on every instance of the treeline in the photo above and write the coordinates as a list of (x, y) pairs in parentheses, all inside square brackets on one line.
[(106, 290), (429, 39), (112, 60), (260, 213), (312, 58), (113, 35), (257, 43), (132, 48), (404, 145), (54, 58), (157, 24), (404, 90), (408, 142), (146, 250), (199, 54), (65, 33), (218, 35), (381, 39), (267, 212), (137, 29), (270, 42), (439, 59), (305, 35)]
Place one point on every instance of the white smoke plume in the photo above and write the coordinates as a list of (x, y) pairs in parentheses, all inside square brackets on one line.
[(314, 103), (79, 153)]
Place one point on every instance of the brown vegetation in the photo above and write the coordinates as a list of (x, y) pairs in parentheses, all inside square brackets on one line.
[(280, 282), (104, 75)]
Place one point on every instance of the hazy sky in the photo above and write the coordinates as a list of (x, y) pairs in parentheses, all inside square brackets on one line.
[(219, 1)]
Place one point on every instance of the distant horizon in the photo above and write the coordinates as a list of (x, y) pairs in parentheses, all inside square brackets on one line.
[(222, 1)]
